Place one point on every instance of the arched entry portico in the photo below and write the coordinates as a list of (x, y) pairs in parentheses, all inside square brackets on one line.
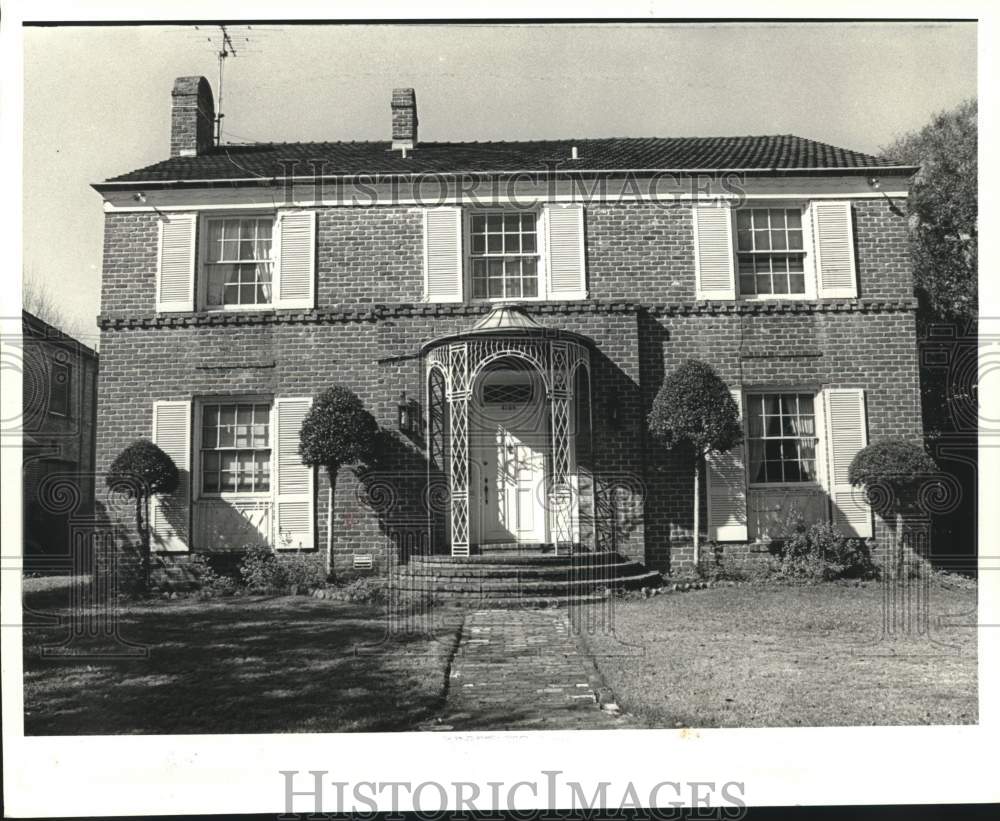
[(509, 420)]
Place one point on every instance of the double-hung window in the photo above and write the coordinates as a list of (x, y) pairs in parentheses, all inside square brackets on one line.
[(503, 254), (238, 262), (770, 253), (235, 448), (782, 438)]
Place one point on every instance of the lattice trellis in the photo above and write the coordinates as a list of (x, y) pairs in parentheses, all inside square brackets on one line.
[(556, 360)]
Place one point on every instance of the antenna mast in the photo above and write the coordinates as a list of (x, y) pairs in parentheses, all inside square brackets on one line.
[(225, 50)]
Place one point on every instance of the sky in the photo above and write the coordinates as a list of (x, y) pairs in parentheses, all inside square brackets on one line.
[(97, 100)]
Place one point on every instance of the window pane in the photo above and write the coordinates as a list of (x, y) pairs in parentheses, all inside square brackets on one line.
[(530, 287), (478, 223), (796, 284), (743, 219), (528, 243), (763, 283), (757, 462), (795, 240), (777, 218), (210, 482), (216, 277), (780, 284), (793, 217), (478, 244), (494, 243), (762, 240), (747, 284), (778, 240), (209, 437)]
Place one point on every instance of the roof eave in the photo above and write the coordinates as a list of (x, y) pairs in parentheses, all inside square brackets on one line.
[(112, 185)]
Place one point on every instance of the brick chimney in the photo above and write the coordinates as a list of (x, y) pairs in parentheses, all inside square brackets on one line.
[(404, 118), (192, 117)]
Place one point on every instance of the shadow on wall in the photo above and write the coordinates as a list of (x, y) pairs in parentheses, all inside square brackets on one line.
[(410, 504)]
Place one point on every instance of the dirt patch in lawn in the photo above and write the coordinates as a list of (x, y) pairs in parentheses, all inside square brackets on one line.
[(789, 656), (241, 665)]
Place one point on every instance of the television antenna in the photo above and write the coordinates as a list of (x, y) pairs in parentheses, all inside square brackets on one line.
[(226, 48)]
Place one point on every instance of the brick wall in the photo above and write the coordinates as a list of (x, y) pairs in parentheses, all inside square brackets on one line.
[(636, 252), (642, 319)]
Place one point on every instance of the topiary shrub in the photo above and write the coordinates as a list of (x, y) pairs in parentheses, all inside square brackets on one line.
[(694, 411), (337, 431), (144, 470), (890, 471)]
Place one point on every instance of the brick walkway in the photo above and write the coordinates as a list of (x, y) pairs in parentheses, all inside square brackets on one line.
[(522, 670)]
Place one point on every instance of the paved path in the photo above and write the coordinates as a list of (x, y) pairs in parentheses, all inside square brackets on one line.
[(522, 670)]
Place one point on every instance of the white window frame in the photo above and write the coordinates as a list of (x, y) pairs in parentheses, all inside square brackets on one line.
[(202, 264), (196, 435), (819, 425), (808, 257), (540, 249)]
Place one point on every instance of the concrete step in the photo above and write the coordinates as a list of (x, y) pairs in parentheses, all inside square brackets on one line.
[(514, 587), (525, 560), (581, 572)]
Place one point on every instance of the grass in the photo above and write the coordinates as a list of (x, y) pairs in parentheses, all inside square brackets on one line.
[(239, 665), (780, 656)]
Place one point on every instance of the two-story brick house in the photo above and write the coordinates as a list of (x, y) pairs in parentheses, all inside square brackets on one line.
[(507, 311)]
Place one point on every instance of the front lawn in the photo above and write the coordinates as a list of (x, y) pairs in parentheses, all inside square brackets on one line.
[(779, 656), (239, 665)]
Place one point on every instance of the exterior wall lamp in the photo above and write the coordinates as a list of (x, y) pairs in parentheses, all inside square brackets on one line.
[(406, 415)]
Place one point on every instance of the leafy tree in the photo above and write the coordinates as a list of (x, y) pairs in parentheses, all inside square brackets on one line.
[(694, 411), (891, 470), (149, 471), (337, 431), (944, 240), (943, 209)]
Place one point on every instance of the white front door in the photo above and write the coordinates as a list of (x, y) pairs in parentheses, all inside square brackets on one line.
[(507, 449), (517, 514)]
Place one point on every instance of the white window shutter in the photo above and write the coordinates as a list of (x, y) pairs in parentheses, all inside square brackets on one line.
[(176, 263), (170, 514), (833, 239), (846, 429), (566, 253), (293, 486), (715, 272), (443, 254), (727, 491), (295, 280)]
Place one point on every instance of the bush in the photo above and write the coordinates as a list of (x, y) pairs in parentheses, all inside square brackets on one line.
[(363, 590), (211, 583), (819, 552), (264, 572)]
